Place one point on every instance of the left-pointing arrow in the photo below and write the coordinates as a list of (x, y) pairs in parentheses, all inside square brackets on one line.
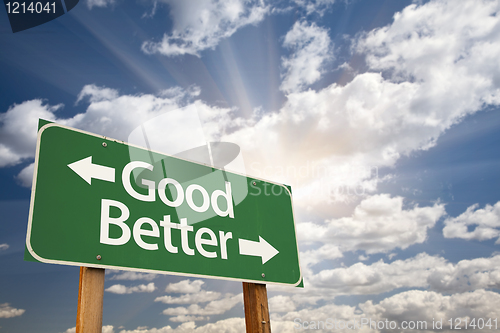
[(85, 169)]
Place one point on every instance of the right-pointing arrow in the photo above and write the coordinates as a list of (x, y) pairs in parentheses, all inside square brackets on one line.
[(258, 249)]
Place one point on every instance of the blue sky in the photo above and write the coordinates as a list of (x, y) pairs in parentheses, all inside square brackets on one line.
[(389, 108)]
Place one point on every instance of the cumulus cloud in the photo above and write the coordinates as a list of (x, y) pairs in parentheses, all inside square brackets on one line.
[(109, 114), (378, 277), (25, 177), (105, 329), (18, 130), (486, 223), (185, 287), (466, 275), (6, 311), (216, 307), (99, 3), (427, 70), (413, 305), (230, 325), (200, 25), (97, 94), (121, 289), (421, 271), (198, 297), (339, 135), (310, 258), (184, 318), (378, 224), (435, 64), (4, 246), (417, 305), (311, 49), (132, 276), (281, 303), (193, 294), (441, 42), (315, 6)]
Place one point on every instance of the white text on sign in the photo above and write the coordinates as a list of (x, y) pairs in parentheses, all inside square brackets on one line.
[(167, 225), (180, 192)]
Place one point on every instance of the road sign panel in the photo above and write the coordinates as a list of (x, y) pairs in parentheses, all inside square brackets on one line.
[(100, 202)]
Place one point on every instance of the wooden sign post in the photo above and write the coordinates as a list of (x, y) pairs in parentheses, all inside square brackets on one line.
[(90, 298), (256, 308), (81, 177)]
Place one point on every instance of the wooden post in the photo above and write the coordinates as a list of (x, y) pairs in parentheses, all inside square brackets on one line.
[(90, 295), (256, 309)]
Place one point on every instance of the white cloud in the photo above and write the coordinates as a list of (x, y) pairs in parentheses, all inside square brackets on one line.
[(230, 325), (339, 135), (105, 329), (281, 303), (378, 277), (25, 177), (440, 42), (99, 3), (117, 116), (108, 329), (198, 297), (18, 130), (4, 246), (216, 307), (435, 64), (315, 6), (311, 49), (364, 258), (108, 114), (97, 94), (416, 305), (126, 275), (466, 275), (289, 322), (378, 224), (192, 295), (186, 327), (413, 305), (6, 311), (121, 289), (185, 287), (310, 258), (486, 222), (421, 271), (184, 318), (200, 25)]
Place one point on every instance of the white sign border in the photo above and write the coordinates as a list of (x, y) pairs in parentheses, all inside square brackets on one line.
[(71, 263)]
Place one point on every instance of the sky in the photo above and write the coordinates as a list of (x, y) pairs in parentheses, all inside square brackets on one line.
[(380, 114)]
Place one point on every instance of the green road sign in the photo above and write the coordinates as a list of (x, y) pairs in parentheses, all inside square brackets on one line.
[(100, 202)]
